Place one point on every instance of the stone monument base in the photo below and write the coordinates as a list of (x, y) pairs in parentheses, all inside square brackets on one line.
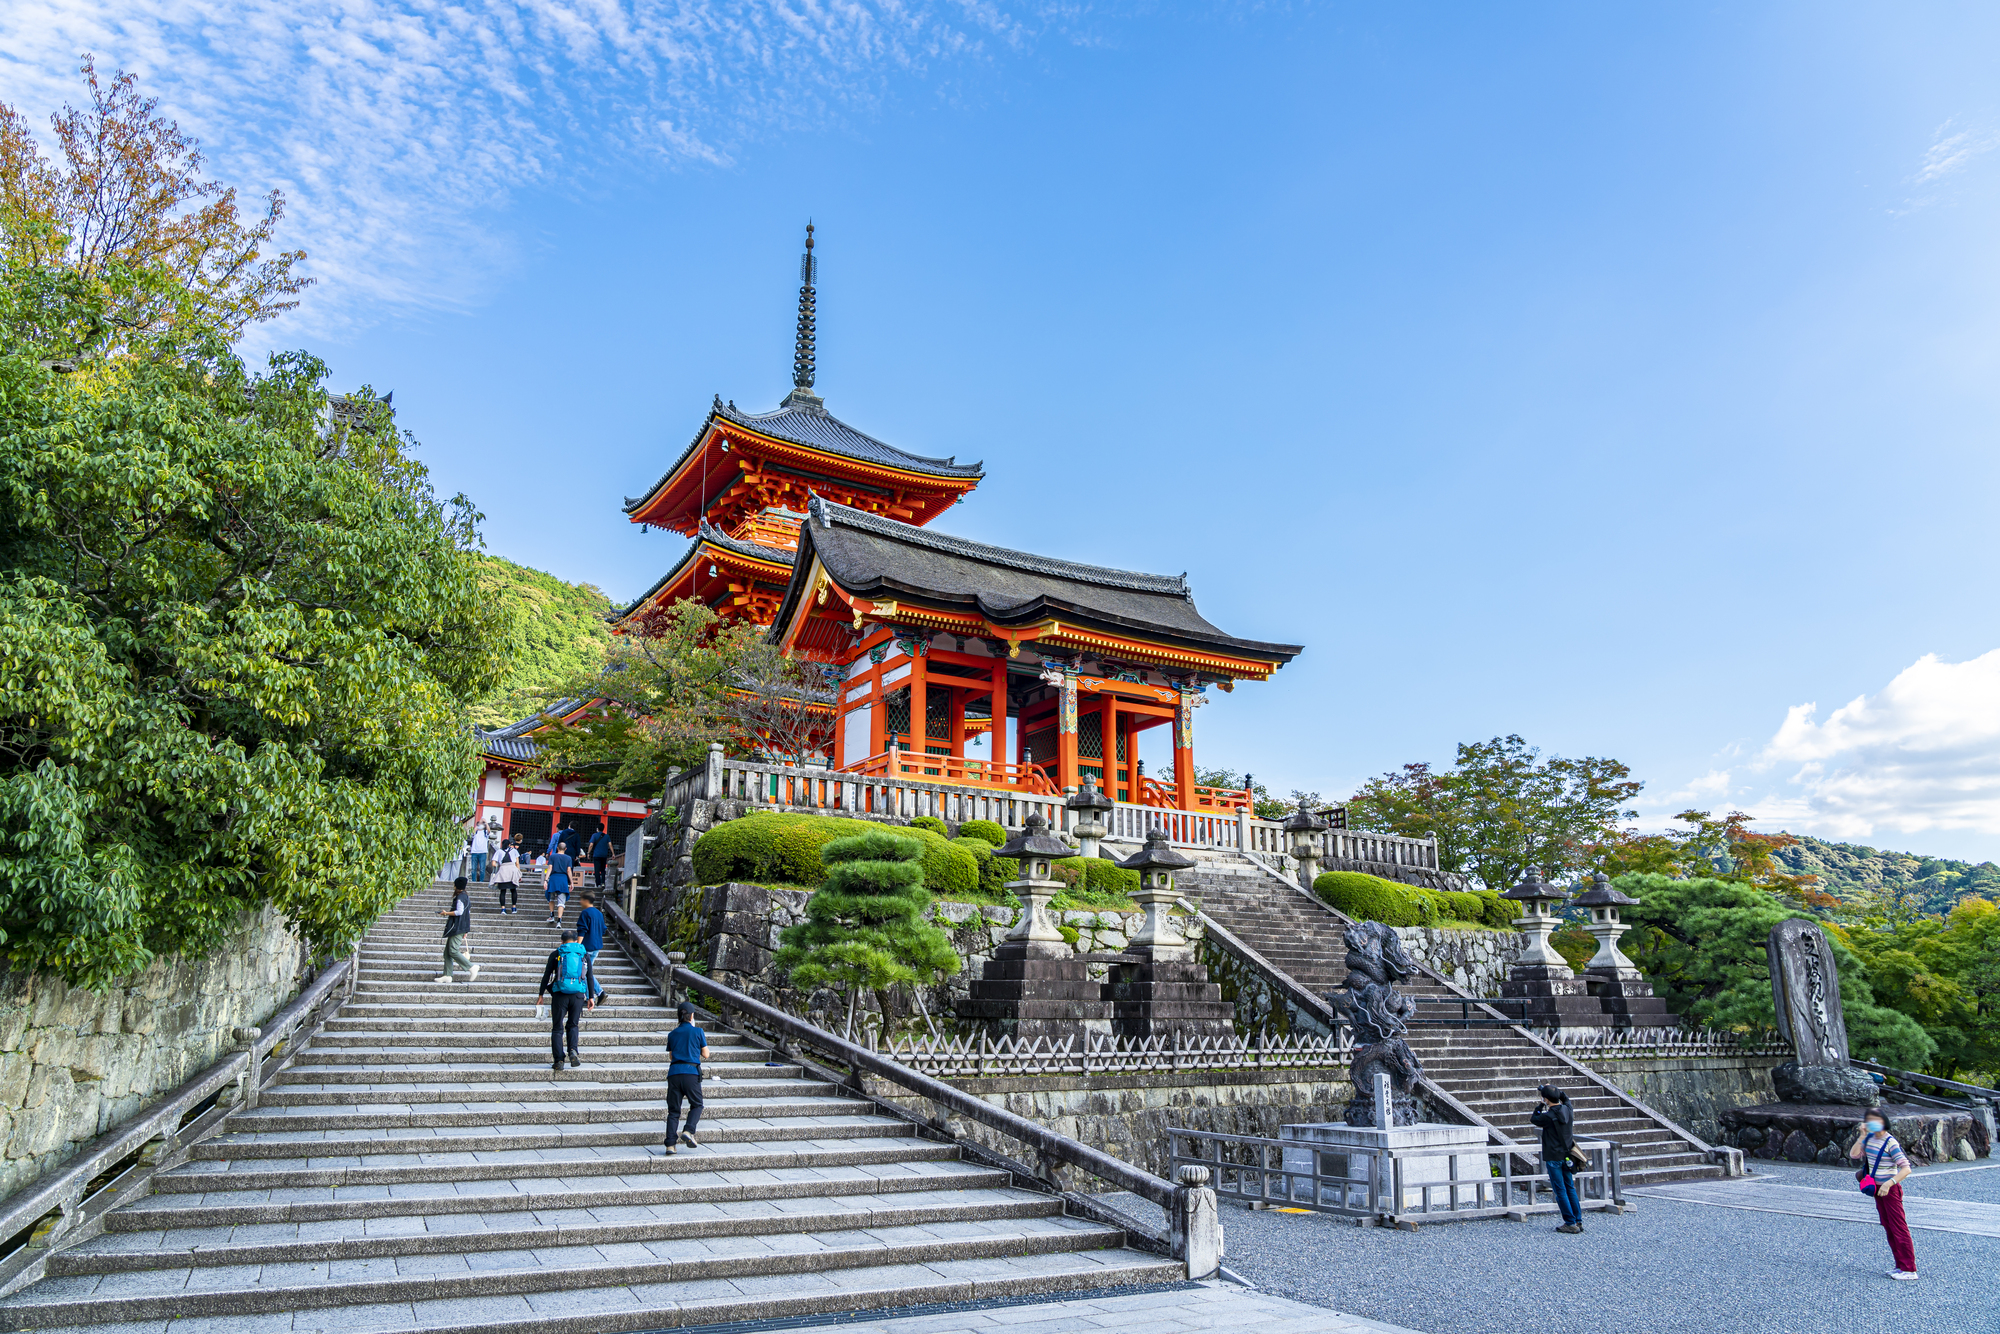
[(1345, 1149), (1819, 1133), (1824, 1085)]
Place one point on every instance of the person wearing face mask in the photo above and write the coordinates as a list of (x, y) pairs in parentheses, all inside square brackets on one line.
[(1884, 1165)]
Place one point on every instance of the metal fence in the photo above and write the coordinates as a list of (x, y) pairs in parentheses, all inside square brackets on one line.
[(1391, 1186), (1094, 1053), (1612, 1043)]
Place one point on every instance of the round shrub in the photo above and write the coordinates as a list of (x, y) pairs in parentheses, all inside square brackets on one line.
[(930, 822), (994, 872), (1464, 906), (982, 829), (774, 848), (1498, 913), (1370, 898)]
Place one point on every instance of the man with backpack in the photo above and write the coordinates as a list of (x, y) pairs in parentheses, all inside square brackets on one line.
[(590, 934), (458, 925), (568, 982), (600, 854)]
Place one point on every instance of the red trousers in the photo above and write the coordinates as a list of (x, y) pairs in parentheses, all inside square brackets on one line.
[(1889, 1208)]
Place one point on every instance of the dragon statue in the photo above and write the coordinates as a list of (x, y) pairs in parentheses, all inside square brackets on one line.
[(1379, 1016)]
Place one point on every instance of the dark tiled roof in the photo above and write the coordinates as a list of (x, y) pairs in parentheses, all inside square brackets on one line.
[(877, 557), (711, 534), (512, 742), (815, 428)]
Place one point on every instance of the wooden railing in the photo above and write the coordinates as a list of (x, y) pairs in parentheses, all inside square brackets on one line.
[(1189, 829), (840, 792), (898, 763), (1152, 792), (1268, 837)]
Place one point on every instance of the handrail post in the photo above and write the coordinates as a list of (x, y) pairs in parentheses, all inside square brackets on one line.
[(674, 960), (1196, 1227), (252, 1078)]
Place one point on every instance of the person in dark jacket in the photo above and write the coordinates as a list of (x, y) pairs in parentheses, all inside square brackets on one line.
[(457, 926), (687, 1048), (600, 854), (590, 934), (568, 983), (1557, 1120)]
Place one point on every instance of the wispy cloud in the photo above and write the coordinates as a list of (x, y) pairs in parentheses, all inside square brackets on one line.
[(1923, 753), (398, 128), (1954, 148)]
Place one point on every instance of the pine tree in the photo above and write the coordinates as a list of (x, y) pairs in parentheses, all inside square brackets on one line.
[(865, 926)]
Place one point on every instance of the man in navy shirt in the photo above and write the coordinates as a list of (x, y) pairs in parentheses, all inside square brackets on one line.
[(687, 1046), (590, 930), (557, 891), (600, 854)]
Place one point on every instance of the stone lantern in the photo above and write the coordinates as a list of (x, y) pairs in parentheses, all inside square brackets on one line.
[(1305, 828), (1604, 902), (1037, 850), (1035, 986), (1156, 863), (1087, 810), (1540, 978)]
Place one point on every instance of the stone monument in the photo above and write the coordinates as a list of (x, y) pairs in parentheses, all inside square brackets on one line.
[(1087, 808), (1379, 1016), (1035, 986), (1805, 990), (1305, 828)]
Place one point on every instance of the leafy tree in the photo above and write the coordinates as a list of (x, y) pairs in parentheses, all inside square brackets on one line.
[(1701, 942), (1725, 849), (780, 707), (550, 633), (127, 196), (1502, 809), (662, 698), (866, 927), (237, 634), (1262, 804), (1944, 972)]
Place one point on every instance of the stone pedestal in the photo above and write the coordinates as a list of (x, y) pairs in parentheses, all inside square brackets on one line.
[(1162, 994), (1817, 1133), (1346, 1148), (1627, 998), (1027, 991), (1554, 996)]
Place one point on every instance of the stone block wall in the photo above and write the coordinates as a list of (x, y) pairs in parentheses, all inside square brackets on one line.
[(1693, 1091), (1127, 1116), (1476, 960), (76, 1063)]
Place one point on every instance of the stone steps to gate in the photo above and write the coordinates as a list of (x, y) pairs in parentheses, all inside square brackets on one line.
[(420, 1166)]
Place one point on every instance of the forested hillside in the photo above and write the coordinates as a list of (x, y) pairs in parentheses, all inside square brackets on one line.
[(552, 631), (1855, 874)]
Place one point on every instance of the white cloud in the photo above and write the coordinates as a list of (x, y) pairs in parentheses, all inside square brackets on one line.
[(397, 128), (1954, 148), (1921, 754)]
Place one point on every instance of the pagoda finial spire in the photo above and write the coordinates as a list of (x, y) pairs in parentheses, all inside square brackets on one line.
[(802, 394)]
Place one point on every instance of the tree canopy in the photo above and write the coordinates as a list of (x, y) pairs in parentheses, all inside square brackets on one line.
[(550, 634)]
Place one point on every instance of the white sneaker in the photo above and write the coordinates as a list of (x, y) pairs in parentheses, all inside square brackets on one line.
[(1905, 1274), (473, 974), (446, 979)]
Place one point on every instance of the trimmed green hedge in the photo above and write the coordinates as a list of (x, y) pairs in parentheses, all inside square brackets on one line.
[(930, 822), (994, 872), (1096, 882), (982, 829), (1373, 899), (773, 848)]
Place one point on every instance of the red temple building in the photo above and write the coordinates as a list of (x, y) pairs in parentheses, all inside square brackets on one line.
[(953, 661)]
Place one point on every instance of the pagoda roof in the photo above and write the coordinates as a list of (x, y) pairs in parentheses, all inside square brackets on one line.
[(872, 557), (802, 426), (715, 538)]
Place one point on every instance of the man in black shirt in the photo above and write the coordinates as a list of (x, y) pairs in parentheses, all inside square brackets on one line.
[(600, 854), (458, 925)]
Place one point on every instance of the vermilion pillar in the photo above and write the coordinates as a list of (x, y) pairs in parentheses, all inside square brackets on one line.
[(998, 749), (1184, 749), (1066, 775)]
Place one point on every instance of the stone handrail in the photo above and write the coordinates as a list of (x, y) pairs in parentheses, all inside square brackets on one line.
[(1051, 1146), (839, 792), (1269, 838), (58, 1208)]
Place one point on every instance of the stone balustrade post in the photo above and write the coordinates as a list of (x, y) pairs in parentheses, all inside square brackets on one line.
[(252, 1078), (711, 777), (1196, 1226)]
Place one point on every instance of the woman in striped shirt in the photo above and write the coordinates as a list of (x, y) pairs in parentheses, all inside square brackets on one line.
[(1878, 1149)]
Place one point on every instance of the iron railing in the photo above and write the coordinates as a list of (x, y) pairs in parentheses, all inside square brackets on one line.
[(1094, 1054)]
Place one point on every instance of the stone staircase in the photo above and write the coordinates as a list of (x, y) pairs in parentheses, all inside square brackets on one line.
[(420, 1166), (1494, 1071)]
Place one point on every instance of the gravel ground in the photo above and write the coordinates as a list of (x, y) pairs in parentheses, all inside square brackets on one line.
[(1670, 1268)]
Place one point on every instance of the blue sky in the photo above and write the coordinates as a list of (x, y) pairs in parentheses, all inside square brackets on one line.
[(1622, 376)]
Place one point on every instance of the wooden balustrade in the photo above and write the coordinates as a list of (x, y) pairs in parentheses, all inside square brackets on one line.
[(844, 792)]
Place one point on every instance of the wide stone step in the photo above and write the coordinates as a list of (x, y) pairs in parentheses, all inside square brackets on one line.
[(416, 1234), (306, 1204), (603, 1038), (643, 1131), (643, 1065), (571, 1090), (618, 1307), (266, 1118), (625, 1161)]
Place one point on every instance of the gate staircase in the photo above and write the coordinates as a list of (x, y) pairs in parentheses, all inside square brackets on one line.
[(419, 1166), (1491, 1070)]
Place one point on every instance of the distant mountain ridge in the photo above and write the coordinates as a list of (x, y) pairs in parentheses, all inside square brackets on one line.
[(553, 631), (1854, 872)]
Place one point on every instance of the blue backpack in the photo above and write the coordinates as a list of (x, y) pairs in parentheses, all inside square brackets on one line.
[(570, 965)]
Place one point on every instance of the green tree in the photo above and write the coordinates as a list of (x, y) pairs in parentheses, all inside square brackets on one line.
[(1725, 849), (1502, 809), (867, 927), (1943, 972), (238, 632), (1701, 942), (552, 634)]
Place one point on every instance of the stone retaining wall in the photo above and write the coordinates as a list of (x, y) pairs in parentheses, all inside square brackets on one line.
[(1693, 1091), (1127, 1116), (76, 1063), (1476, 960)]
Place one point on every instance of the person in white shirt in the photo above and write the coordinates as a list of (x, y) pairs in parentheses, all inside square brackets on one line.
[(507, 874), (480, 847)]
